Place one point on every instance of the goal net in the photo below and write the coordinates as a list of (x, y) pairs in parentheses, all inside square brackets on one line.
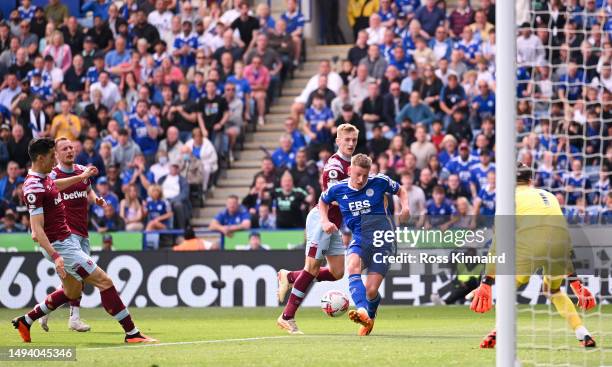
[(564, 132)]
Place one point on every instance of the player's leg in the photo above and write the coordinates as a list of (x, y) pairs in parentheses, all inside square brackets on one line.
[(565, 307), (114, 306), (74, 321), (335, 262), (71, 289), (357, 288), (327, 245)]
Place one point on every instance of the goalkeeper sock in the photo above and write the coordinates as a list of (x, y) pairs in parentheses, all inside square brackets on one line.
[(373, 305), (566, 309), (298, 293), (358, 291), (581, 332)]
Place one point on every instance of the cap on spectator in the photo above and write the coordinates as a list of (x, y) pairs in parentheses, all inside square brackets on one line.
[(485, 151), (99, 55), (401, 15), (254, 234), (377, 126), (107, 238), (49, 58), (123, 131), (453, 74), (525, 25), (9, 214), (175, 162), (88, 39), (5, 127), (464, 145), (347, 107), (36, 74), (199, 21), (102, 181)]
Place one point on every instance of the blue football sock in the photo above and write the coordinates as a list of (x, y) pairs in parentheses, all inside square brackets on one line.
[(358, 292), (373, 305)]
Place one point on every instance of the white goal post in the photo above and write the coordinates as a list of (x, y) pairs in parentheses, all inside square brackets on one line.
[(505, 160)]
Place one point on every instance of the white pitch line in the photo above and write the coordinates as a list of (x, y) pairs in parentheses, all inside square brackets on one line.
[(192, 342)]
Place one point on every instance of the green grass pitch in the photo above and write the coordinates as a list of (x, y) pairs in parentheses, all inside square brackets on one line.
[(403, 336)]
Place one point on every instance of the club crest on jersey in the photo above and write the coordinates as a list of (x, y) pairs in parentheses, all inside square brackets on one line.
[(31, 198), (333, 174), (369, 192), (58, 199), (344, 197)]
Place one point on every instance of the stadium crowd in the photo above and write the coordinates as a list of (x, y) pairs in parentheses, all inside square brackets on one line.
[(158, 94), (419, 83)]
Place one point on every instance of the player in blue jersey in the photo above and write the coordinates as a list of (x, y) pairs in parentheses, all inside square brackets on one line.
[(363, 205)]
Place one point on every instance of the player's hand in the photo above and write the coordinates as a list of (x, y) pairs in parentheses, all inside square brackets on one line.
[(586, 300), (100, 201), (90, 171), (329, 227), (34, 238), (483, 300), (59, 267)]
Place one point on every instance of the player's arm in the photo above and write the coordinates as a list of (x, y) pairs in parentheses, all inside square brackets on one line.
[(93, 198), (64, 183), (37, 222), (324, 202), (405, 212)]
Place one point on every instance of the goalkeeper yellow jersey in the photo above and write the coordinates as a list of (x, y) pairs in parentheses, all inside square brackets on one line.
[(537, 208)]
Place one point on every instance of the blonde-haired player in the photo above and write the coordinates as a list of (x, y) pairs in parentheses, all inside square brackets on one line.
[(319, 244), (542, 242)]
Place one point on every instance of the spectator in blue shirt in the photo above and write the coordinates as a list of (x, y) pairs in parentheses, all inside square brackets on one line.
[(571, 84), (231, 219), (319, 121), (284, 156), (89, 157), (157, 210), (415, 111), (483, 105), (98, 7), (185, 45), (291, 128), (144, 129), (295, 27), (485, 203), (117, 56), (438, 210), (430, 17)]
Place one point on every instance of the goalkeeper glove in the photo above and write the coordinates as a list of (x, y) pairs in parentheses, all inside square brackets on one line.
[(482, 300), (586, 300)]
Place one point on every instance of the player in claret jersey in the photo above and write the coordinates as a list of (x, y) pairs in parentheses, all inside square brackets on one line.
[(319, 245), (51, 231), (76, 200)]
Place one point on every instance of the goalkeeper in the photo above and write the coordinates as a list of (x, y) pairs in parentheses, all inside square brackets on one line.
[(542, 242)]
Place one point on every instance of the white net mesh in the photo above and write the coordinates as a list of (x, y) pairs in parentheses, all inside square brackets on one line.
[(564, 129)]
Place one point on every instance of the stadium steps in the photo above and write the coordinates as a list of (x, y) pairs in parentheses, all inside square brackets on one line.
[(237, 179)]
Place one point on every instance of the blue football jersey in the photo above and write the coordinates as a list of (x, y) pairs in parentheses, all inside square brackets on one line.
[(356, 205)]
